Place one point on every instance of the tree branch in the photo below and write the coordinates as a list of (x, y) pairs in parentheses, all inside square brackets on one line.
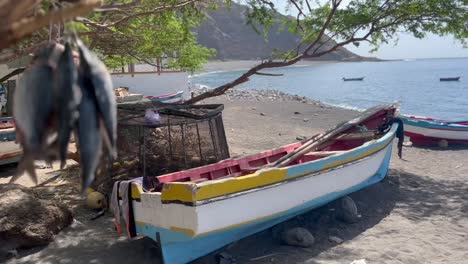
[(26, 26), (269, 74)]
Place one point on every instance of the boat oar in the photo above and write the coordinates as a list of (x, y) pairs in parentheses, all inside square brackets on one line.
[(315, 142)]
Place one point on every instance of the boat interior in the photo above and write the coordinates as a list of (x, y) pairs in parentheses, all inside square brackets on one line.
[(353, 136)]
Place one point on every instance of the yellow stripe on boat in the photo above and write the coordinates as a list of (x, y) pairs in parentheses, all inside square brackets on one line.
[(192, 192), (137, 190)]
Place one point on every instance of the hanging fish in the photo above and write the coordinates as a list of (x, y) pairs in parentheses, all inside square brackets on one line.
[(33, 111), (88, 135), (67, 99), (103, 90)]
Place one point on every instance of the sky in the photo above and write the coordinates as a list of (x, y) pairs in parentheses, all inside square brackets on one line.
[(407, 47)]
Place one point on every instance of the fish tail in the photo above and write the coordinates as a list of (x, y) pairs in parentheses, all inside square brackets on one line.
[(26, 164)]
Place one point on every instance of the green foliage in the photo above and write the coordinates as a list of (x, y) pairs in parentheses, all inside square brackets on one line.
[(166, 35), (376, 21)]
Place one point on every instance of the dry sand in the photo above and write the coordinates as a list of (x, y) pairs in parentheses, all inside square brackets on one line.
[(418, 214)]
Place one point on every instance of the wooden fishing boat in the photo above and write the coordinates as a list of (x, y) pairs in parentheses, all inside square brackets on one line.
[(194, 212), (450, 79), (10, 151), (425, 131), (173, 98), (353, 79)]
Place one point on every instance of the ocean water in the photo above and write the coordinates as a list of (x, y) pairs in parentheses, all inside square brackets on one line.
[(413, 83)]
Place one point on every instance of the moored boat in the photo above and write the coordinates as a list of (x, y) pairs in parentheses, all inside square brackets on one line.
[(425, 131), (450, 79), (194, 212), (353, 79), (166, 98), (10, 151)]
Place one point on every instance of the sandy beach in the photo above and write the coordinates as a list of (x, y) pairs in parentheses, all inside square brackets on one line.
[(418, 214)]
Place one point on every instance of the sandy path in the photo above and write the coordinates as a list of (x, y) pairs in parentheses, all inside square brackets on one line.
[(418, 214)]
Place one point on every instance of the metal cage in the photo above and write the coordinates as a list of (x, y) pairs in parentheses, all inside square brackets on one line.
[(186, 136)]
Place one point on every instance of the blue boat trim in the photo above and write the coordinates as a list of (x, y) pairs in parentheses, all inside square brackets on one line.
[(179, 247), (434, 124), (7, 136)]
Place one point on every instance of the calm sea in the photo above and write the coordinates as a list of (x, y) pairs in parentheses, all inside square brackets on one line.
[(415, 84)]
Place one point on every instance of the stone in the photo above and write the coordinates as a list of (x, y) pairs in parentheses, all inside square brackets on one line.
[(305, 120), (262, 114), (27, 221), (225, 258), (359, 261), (297, 237), (300, 138), (335, 239), (297, 113), (347, 211)]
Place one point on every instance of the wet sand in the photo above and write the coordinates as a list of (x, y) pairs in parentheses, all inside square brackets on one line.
[(418, 214)]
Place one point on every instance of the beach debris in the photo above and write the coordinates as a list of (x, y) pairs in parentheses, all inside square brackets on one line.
[(348, 211), (28, 221), (297, 237), (262, 114), (305, 120), (225, 258), (300, 138), (58, 95), (316, 114), (335, 239), (297, 113), (408, 144), (152, 116), (359, 261), (265, 256)]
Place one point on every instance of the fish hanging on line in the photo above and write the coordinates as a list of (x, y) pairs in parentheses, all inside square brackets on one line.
[(64, 92)]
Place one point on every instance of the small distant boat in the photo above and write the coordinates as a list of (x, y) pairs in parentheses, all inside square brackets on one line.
[(353, 79), (10, 151), (174, 97), (194, 212), (425, 131), (450, 79)]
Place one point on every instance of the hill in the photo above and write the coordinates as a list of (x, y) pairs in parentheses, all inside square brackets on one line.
[(226, 31)]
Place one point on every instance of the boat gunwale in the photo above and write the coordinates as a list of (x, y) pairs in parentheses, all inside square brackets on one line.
[(388, 136), (269, 186), (420, 121)]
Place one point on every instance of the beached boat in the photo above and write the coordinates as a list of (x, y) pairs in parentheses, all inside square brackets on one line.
[(353, 79), (194, 212), (173, 98), (425, 131), (10, 151), (450, 79)]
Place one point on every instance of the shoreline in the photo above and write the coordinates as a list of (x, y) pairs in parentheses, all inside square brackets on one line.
[(268, 95)]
